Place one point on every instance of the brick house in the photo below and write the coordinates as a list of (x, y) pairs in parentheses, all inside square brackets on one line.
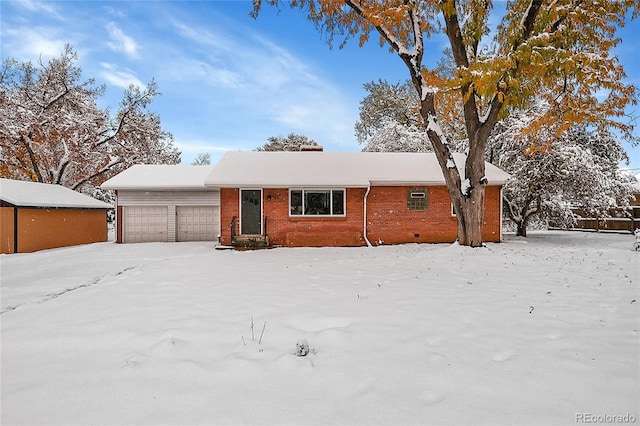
[(341, 199)]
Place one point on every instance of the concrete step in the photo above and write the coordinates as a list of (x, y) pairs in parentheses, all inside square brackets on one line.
[(251, 241)]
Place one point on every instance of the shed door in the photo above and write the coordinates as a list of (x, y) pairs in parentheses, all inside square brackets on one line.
[(145, 224), (251, 211), (198, 223)]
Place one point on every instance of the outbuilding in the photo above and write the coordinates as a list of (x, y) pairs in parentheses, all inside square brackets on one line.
[(342, 199), (36, 216), (165, 203)]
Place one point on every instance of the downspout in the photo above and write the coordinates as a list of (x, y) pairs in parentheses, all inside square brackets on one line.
[(364, 233)]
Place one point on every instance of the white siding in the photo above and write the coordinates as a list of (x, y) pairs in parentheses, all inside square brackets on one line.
[(169, 198), (171, 224)]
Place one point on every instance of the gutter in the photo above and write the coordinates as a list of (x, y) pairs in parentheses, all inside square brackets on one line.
[(364, 233)]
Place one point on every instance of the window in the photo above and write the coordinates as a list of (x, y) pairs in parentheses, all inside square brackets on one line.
[(417, 199), (316, 202)]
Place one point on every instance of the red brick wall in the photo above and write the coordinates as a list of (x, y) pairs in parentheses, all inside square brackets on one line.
[(388, 219), (491, 228), (390, 222), (229, 207), (313, 231), (119, 219), (284, 230)]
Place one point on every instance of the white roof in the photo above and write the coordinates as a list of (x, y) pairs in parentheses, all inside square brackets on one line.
[(33, 194), (159, 177), (266, 169)]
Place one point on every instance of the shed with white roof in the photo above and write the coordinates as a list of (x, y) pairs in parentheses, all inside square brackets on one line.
[(165, 203), (36, 216)]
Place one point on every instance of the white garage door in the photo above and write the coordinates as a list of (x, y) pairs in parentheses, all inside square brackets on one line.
[(198, 223), (145, 224)]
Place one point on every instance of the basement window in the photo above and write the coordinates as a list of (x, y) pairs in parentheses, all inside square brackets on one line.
[(316, 202), (417, 199)]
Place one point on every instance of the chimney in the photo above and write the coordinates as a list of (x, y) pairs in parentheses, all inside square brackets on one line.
[(311, 148)]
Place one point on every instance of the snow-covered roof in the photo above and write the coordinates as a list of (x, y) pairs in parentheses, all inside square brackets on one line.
[(34, 194), (159, 177), (333, 169)]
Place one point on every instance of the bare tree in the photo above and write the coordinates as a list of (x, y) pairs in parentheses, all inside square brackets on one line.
[(202, 159)]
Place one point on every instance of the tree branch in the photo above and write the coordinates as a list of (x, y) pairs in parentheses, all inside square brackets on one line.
[(527, 22), (26, 141), (110, 165), (510, 210)]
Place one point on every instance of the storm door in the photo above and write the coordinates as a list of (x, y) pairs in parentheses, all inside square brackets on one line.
[(251, 211)]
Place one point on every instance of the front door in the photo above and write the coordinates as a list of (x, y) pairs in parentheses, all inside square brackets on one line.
[(251, 211)]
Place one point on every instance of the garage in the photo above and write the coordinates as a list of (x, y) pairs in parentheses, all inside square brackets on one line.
[(165, 203), (198, 223), (143, 224)]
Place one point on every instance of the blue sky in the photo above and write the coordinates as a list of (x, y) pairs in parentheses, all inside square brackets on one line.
[(228, 81)]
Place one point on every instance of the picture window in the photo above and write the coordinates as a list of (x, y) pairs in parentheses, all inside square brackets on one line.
[(317, 202)]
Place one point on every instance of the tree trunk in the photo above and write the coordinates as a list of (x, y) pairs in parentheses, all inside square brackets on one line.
[(527, 214), (470, 218)]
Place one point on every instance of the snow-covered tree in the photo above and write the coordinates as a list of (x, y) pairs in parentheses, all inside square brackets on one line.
[(551, 173), (559, 47), (202, 159), (397, 137), (389, 120), (52, 130), (386, 102), (292, 142)]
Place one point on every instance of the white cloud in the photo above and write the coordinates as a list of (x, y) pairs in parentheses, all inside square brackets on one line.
[(120, 78), (116, 12), (119, 41), (206, 38), (201, 71), (39, 6), (29, 43)]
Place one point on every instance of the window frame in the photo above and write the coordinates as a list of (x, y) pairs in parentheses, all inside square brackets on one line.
[(417, 203), (318, 190)]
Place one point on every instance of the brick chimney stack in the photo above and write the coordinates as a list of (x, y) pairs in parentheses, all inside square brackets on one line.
[(311, 148)]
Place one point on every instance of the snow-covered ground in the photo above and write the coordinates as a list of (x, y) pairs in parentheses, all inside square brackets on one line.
[(542, 330)]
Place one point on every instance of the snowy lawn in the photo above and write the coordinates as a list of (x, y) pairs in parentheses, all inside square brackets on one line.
[(542, 330)]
